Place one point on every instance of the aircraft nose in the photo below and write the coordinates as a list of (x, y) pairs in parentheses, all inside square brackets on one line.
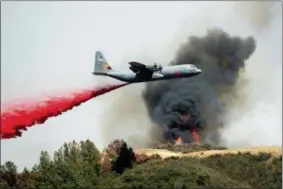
[(198, 70)]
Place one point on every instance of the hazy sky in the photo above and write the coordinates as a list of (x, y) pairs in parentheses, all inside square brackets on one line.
[(50, 45)]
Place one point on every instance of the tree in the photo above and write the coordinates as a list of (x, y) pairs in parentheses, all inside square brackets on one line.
[(119, 156), (8, 175), (124, 160), (74, 165)]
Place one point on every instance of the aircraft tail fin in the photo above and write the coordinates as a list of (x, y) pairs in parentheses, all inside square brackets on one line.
[(101, 66)]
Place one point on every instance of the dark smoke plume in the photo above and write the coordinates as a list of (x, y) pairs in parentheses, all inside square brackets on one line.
[(221, 57)]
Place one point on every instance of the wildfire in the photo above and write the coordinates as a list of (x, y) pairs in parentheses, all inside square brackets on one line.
[(187, 117), (188, 125), (195, 135)]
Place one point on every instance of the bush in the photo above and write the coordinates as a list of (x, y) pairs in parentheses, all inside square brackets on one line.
[(173, 173), (257, 170)]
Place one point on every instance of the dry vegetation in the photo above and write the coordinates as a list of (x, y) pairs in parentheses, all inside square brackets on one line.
[(273, 150)]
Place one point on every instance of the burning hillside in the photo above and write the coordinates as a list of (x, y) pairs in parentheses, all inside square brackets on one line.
[(191, 109)]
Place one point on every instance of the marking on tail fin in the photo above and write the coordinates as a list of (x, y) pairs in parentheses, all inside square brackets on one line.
[(106, 67), (101, 64)]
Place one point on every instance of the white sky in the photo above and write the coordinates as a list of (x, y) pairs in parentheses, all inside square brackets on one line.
[(50, 45)]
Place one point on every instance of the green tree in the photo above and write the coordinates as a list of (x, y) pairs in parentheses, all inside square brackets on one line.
[(26, 179), (124, 160), (9, 175), (119, 155), (74, 165)]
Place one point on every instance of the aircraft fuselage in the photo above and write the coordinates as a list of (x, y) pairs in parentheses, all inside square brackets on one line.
[(139, 72), (167, 72)]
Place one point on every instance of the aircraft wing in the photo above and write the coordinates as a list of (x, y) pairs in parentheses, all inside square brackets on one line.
[(140, 68)]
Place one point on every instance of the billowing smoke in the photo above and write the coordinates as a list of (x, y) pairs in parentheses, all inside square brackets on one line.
[(221, 58), (251, 115)]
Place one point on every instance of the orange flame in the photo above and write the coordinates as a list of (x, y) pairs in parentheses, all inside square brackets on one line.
[(195, 135), (179, 140)]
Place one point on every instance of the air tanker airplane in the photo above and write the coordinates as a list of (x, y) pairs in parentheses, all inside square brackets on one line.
[(143, 73)]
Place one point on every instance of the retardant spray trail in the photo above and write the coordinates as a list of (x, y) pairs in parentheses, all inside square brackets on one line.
[(16, 118)]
